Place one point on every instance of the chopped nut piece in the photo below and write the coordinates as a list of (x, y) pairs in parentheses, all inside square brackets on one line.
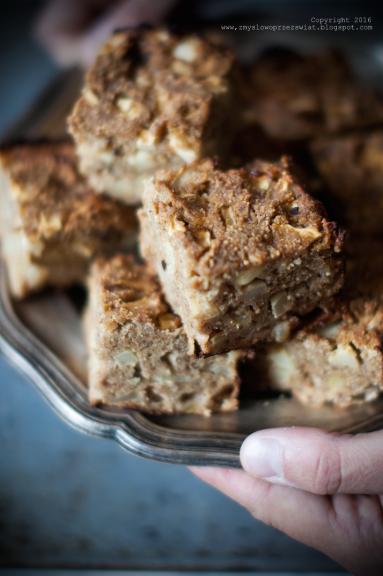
[(228, 216), (187, 50), (264, 183), (126, 358), (247, 276), (309, 232), (125, 104), (254, 289), (282, 367), (280, 304), (330, 331), (90, 97), (343, 357), (281, 331), (204, 237)]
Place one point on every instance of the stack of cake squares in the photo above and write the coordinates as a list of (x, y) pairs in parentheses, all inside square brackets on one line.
[(188, 199)]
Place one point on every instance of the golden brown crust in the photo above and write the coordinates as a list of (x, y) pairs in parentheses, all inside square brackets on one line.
[(358, 321), (55, 202), (129, 291), (243, 217), (152, 80)]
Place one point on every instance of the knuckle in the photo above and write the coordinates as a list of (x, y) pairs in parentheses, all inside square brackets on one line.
[(327, 473)]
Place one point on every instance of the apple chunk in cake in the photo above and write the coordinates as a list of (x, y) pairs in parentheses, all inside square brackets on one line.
[(240, 254), (337, 359), (52, 223), (138, 351)]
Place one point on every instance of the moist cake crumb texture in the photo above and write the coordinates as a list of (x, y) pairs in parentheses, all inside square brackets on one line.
[(138, 355), (338, 358)]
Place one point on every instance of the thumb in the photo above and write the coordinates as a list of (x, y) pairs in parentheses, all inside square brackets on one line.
[(316, 461)]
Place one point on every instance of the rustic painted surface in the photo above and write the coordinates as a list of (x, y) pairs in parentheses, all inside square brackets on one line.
[(68, 499)]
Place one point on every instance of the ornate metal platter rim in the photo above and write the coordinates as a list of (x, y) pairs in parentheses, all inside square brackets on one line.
[(131, 429)]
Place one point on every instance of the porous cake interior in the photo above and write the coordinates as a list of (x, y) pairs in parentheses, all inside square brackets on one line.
[(321, 370), (142, 361), (17, 249)]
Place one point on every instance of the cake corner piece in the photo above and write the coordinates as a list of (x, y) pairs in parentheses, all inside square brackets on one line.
[(52, 223)]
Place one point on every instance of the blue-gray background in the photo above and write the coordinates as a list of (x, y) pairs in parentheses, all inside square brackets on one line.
[(67, 500)]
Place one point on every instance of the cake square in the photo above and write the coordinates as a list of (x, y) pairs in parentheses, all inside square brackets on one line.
[(152, 100), (240, 254), (338, 358), (52, 223), (297, 97), (138, 350), (351, 167)]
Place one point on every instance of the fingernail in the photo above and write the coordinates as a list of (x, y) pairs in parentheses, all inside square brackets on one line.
[(262, 457)]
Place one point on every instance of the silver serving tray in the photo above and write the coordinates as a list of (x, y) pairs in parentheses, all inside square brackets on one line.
[(42, 338)]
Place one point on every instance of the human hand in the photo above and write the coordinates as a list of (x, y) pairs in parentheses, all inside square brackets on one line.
[(322, 489), (73, 30)]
